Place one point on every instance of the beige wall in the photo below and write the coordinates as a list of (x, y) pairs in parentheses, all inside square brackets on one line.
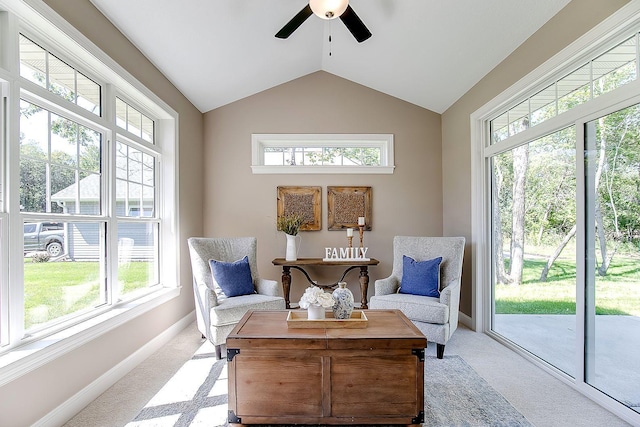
[(238, 203), (32, 396), (574, 20), (429, 193)]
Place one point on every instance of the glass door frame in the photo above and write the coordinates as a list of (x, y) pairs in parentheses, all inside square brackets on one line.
[(482, 219)]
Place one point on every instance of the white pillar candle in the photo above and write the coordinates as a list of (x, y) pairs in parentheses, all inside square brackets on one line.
[(349, 232), (360, 220)]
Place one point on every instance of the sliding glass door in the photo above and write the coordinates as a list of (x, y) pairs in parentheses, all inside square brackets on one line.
[(534, 262), (566, 251), (558, 173), (612, 255)]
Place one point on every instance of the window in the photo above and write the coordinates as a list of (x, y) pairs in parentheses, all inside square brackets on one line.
[(84, 195), (602, 74), (60, 163), (556, 214), (46, 70), (133, 121), (135, 181), (4, 222), (322, 153)]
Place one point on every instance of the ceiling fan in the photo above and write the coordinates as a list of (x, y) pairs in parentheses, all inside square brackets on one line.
[(328, 9)]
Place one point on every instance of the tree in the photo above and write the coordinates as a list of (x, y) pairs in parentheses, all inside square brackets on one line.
[(617, 136), (364, 156), (520, 165), (616, 174), (556, 253), (496, 190), (33, 178)]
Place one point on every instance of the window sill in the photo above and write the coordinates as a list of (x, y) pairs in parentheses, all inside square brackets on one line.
[(26, 358)]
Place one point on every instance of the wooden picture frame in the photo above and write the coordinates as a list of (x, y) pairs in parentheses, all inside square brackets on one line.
[(304, 201), (346, 204)]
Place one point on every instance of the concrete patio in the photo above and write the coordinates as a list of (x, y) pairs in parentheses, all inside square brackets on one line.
[(616, 350)]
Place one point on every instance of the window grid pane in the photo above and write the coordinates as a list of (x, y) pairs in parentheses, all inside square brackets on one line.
[(41, 67), (138, 267), (59, 164), (609, 71), (615, 68), (134, 121), (543, 105), (33, 62), (322, 156), (135, 182), (62, 79), (88, 94), (56, 291), (121, 114), (519, 118), (574, 89)]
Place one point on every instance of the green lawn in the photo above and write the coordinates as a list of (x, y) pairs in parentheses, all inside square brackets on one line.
[(616, 293), (55, 289)]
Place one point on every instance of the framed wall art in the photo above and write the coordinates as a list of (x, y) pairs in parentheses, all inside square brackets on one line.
[(346, 204), (304, 201)]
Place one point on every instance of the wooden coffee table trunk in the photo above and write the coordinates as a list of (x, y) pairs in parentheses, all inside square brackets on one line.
[(281, 375)]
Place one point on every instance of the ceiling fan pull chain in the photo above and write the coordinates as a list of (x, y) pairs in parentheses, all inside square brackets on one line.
[(330, 30)]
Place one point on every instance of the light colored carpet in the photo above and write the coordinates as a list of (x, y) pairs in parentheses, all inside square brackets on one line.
[(455, 395), (541, 398)]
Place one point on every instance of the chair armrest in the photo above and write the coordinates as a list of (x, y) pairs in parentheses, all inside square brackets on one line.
[(210, 297), (387, 286), (205, 300), (205, 295), (450, 296), (268, 287)]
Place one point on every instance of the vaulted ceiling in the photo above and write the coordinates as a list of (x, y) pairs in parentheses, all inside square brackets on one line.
[(426, 52)]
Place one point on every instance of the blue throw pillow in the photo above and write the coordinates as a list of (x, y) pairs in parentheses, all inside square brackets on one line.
[(421, 277), (234, 278)]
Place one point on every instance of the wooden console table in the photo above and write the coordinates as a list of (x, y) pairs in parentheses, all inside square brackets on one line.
[(300, 263)]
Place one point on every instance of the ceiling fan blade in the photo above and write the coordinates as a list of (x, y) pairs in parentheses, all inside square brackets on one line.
[(295, 22), (355, 25)]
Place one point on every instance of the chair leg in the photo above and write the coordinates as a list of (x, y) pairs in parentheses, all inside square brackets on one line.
[(219, 352), (440, 350)]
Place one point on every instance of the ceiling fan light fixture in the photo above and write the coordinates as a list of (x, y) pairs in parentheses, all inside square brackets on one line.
[(328, 9)]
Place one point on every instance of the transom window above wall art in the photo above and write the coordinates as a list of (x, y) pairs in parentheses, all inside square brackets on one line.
[(322, 153)]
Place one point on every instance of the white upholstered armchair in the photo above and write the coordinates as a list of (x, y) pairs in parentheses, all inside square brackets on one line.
[(437, 318), (217, 314)]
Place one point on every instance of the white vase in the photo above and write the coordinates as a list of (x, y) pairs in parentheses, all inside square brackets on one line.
[(291, 253), (315, 312)]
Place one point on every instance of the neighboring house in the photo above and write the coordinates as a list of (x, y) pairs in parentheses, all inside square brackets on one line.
[(135, 238)]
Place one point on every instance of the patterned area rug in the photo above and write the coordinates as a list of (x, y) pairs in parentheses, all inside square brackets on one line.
[(455, 395)]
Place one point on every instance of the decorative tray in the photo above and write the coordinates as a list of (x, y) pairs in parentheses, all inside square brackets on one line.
[(298, 319)]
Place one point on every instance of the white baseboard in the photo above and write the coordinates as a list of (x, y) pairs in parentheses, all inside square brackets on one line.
[(77, 402), (466, 320)]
